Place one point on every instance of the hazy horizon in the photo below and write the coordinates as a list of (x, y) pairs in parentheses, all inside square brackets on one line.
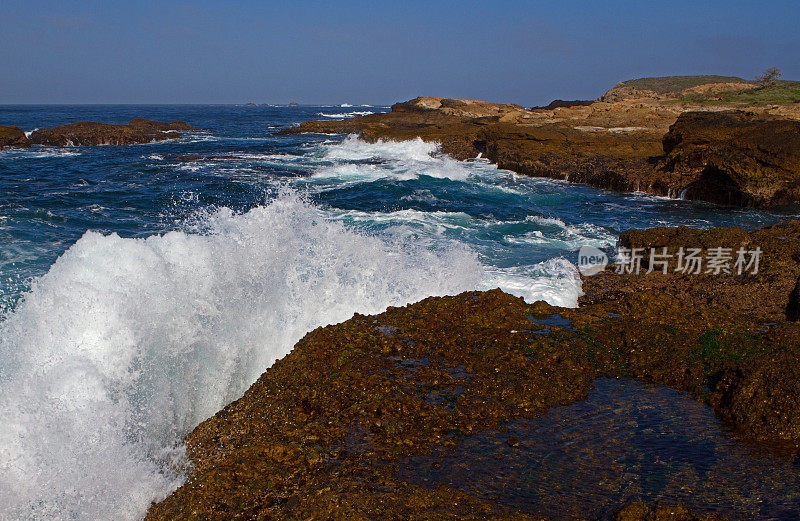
[(378, 53)]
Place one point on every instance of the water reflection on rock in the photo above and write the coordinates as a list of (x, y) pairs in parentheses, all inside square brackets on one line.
[(626, 441)]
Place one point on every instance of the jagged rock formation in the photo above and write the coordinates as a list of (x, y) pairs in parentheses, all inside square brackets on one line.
[(735, 158)]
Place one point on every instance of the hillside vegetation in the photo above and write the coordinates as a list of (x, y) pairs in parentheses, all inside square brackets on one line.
[(668, 84), (776, 93)]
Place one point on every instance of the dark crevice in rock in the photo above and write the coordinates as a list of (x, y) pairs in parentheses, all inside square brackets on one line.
[(793, 307), (718, 187)]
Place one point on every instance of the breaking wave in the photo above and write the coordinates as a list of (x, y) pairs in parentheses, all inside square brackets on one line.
[(125, 345)]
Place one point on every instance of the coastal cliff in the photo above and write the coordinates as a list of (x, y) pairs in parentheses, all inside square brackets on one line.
[(629, 140), (339, 427)]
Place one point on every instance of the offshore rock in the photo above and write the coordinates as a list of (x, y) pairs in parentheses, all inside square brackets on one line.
[(86, 133), (11, 136)]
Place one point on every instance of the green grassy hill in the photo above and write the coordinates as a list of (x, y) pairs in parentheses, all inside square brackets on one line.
[(667, 84), (776, 93)]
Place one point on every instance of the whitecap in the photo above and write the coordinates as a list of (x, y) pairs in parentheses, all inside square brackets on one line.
[(345, 114), (555, 281)]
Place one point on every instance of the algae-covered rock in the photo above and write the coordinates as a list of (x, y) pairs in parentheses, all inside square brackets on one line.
[(323, 431)]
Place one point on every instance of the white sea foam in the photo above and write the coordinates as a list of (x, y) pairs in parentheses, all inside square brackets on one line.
[(553, 235), (556, 281), (356, 149), (126, 344), (398, 159), (556, 233), (346, 114), (37, 153)]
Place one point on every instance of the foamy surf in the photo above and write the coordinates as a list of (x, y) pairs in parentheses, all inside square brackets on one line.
[(345, 114), (37, 152), (126, 344), (356, 160), (555, 281)]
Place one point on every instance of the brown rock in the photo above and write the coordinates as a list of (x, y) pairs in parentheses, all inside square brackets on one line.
[(641, 512), (156, 126), (735, 158), (87, 133), (12, 136), (322, 432), (729, 158)]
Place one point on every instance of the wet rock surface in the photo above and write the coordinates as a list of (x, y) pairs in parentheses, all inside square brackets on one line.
[(326, 432), (625, 442), (87, 133)]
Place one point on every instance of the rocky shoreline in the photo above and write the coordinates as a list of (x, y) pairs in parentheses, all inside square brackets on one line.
[(323, 432), (87, 133), (734, 155), (330, 430)]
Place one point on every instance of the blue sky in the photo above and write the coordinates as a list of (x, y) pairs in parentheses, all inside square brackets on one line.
[(377, 52)]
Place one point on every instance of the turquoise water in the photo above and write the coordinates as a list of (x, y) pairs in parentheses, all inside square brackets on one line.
[(144, 287)]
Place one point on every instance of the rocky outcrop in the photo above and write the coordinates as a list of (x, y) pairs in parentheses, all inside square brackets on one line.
[(560, 103), (157, 126), (323, 432), (11, 136), (735, 158), (638, 511), (89, 133), (86, 133), (767, 294), (617, 161), (458, 108), (723, 157)]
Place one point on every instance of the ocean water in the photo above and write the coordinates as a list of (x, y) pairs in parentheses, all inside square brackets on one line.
[(144, 287)]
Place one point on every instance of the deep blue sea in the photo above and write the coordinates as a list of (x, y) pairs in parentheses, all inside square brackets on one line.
[(144, 287)]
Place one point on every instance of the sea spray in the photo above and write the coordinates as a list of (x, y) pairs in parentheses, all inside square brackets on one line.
[(125, 345), (356, 159)]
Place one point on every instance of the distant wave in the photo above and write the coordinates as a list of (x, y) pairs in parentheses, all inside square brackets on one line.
[(346, 114)]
